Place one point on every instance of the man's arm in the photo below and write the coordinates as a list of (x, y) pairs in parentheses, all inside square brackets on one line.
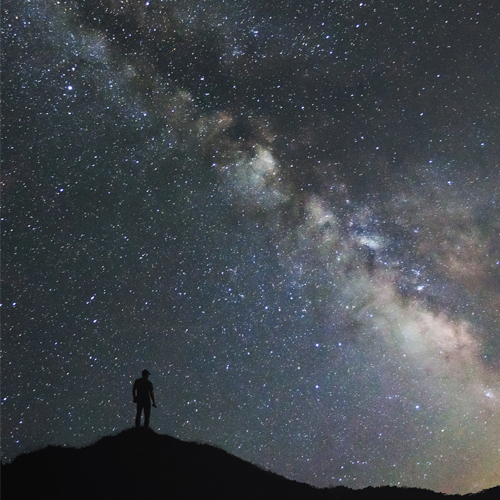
[(134, 389), (153, 397)]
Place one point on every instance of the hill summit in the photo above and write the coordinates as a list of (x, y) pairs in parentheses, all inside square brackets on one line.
[(139, 462)]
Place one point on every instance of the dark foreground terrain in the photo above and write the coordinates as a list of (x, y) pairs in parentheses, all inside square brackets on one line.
[(140, 463)]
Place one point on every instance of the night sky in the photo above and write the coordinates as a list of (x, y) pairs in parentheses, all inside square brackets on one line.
[(288, 212)]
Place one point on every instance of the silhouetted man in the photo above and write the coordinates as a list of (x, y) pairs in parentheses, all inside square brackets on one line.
[(142, 391)]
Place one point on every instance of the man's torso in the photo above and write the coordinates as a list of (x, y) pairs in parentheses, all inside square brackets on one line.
[(144, 388)]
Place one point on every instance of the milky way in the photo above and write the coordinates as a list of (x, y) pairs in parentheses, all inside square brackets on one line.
[(289, 214)]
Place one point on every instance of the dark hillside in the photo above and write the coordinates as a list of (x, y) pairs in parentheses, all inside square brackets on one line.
[(139, 463)]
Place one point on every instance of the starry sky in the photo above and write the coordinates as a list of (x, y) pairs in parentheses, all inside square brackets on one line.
[(288, 212)]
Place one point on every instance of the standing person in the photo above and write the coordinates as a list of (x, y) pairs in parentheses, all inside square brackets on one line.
[(143, 394)]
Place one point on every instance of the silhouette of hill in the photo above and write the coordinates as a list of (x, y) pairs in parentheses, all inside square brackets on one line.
[(139, 462)]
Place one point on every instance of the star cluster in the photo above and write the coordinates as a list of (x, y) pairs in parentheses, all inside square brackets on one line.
[(288, 213)]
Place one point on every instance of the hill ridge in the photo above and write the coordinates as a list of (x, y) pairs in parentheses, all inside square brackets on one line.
[(139, 461)]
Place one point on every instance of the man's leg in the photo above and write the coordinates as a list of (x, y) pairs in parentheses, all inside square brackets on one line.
[(147, 413), (138, 415)]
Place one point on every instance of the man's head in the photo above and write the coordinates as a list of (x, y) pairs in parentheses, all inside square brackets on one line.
[(145, 373)]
